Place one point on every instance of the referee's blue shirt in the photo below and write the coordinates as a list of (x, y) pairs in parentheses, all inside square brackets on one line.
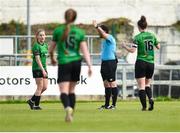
[(108, 48)]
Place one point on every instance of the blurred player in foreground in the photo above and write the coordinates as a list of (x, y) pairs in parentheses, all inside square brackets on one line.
[(69, 39)]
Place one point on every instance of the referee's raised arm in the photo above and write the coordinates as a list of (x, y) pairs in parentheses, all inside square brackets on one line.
[(103, 32)]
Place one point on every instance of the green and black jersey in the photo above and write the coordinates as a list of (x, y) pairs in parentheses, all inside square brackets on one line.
[(68, 50), (145, 42), (42, 51)]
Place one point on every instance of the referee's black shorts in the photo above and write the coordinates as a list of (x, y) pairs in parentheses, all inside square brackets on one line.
[(69, 72), (108, 70), (144, 69)]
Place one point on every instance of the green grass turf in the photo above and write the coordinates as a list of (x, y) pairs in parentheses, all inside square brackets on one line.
[(87, 118)]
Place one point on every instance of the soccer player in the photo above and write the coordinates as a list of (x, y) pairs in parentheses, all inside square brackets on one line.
[(144, 66), (108, 65), (69, 39), (39, 68)]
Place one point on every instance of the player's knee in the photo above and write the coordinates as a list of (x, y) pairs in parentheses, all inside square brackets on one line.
[(40, 87), (45, 88)]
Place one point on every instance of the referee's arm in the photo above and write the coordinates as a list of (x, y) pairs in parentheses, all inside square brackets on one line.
[(100, 30)]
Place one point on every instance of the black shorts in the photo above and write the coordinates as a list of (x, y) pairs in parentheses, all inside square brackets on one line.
[(38, 74), (108, 70), (69, 72), (144, 69)]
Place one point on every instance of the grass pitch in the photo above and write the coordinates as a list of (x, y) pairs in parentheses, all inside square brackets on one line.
[(87, 118)]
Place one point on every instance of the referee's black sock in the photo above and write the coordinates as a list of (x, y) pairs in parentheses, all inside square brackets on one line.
[(142, 97), (114, 95), (37, 101), (72, 100), (148, 92), (107, 96), (64, 99)]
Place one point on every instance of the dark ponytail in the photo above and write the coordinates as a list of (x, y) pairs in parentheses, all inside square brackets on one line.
[(66, 32), (69, 16), (142, 23)]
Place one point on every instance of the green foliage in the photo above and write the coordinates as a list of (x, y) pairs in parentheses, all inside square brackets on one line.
[(12, 28), (161, 98), (118, 26), (171, 63), (177, 25), (49, 28), (121, 25)]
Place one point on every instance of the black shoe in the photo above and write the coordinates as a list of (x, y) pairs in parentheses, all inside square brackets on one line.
[(31, 103), (104, 107), (112, 107), (108, 107), (151, 105), (37, 108)]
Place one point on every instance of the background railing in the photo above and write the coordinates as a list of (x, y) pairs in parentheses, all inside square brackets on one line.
[(170, 80), (166, 78), (22, 54)]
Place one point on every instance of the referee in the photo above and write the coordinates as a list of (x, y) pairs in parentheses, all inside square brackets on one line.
[(108, 65)]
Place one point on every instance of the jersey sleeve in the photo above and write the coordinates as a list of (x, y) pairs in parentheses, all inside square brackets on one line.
[(109, 39), (35, 50), (54, 37), (135, 42), (155, 41), (82, 36), (46, 46)]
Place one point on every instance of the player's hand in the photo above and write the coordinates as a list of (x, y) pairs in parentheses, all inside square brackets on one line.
[(123, 44), (89, 71), (44, 73)]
